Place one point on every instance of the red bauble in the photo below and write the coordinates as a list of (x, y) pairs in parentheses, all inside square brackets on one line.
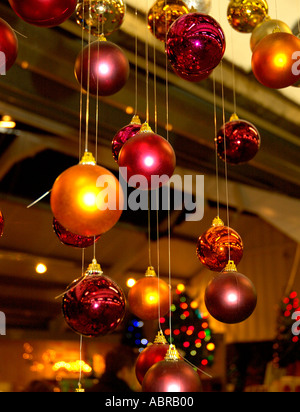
[(274, 60), (242, 141), (8, 46), (148, 357), (1, 223), (148, 155), (108, 67), (123, 135), (94, 305), (70, 239), (230, 298), (195, 44), (44, 13), (193, 78), (214, 245), (172, 376)]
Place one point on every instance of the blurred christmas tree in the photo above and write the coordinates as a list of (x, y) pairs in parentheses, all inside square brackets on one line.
[(190, 330)]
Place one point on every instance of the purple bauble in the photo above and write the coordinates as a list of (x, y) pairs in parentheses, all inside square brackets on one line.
[(195, 44), (71, 239), (123, 135)]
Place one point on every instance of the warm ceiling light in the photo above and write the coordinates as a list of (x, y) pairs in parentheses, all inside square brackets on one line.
[(7, 122), (41, 268), (129, 110), (131, 282)]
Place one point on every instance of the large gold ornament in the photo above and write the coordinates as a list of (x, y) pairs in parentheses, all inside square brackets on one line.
[(199, 6), (100, 16), (266, 28), (245, 15), (162, 14)]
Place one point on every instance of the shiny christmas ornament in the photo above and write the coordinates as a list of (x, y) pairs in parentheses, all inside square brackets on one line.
[(125, 134), (265, 28), (102, 68), (70, 239), (44, 13), (230, 297), (93, 305), (193, 78), (273, 60), (217, 245), (8, 47), (149, 297), (1, 224), (242, 141), (162, 14), (200, 6), (101, 16), (149, 156), (195, 44), (87, 199), (171, 375), (245, 15), (154, 353)]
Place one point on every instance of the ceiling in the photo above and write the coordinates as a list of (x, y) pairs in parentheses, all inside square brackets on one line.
[(40, 92)]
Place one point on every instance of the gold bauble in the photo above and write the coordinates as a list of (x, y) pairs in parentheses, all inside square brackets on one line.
[(162, 14), (199, 6), (245, 15), (266, 28), (100, 16)]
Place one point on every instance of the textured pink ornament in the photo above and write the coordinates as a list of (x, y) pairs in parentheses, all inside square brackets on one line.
[(44, 13), (195, 44), (8, 46), (71, 239), (125, 134), (104, 67)]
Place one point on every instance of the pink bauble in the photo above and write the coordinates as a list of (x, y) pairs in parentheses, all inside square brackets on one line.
[(149, 155), (122, 136), (195, 44), (44, 13), (8, 46), (108, 67)]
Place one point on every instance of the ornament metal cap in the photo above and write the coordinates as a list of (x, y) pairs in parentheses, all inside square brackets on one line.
[(217, 222), (234, 117), (160, 338), (102, 37), (231, 267), (172, 354), (94, 268), (150, 272), (146, 128), (88, 159), (136, 120), (80, 388)]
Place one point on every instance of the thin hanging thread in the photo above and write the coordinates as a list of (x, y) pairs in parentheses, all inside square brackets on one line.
[(216, 145), (136, 61), (80, 361), (158, 258), (81, 97), (147, 69), (88, 89)]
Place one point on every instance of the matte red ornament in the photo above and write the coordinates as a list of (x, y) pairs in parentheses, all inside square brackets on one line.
[(87, 199), (149, 298), (8, 45), (93, 305), (230, 297), (274, 60), (44, 13), (102, 68), (242, 138), (154, 353), (125, 134), (148, 155), (195, 44), (214, 245), (70, 239), (1, 224)]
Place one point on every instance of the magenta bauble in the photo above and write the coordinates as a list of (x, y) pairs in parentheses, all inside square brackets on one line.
[(123, 135), (102, 68), (195, 44), (8, 46), (44, 13), (71, 239)]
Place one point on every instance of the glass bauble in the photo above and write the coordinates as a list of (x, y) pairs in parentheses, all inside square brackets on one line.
[(245, 15)]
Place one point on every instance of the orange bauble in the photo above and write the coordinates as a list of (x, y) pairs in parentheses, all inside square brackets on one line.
[(274, 60), (87, 199), (149, 297)]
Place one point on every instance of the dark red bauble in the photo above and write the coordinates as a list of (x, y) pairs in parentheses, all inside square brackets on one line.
[(71, 239), (94, 306), (150, 156), (8, 45), (193, 78), (108, 67), (242, 141), (44, 13), (195, 44), (1, 223), (171, 376), (230, 298), (148, 357), (213, 247), (122, 136)]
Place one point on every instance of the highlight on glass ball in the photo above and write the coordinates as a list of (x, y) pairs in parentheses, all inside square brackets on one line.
[(123, 135), (101, 16), (102, 68), (70, 239), (93, 305), (195, 45), (9, 46), (274, 60), (43, 13), (240, 138), (199, 6), (268, 26), (245, 15), (163, 14), (217, 245), (230, 297)]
